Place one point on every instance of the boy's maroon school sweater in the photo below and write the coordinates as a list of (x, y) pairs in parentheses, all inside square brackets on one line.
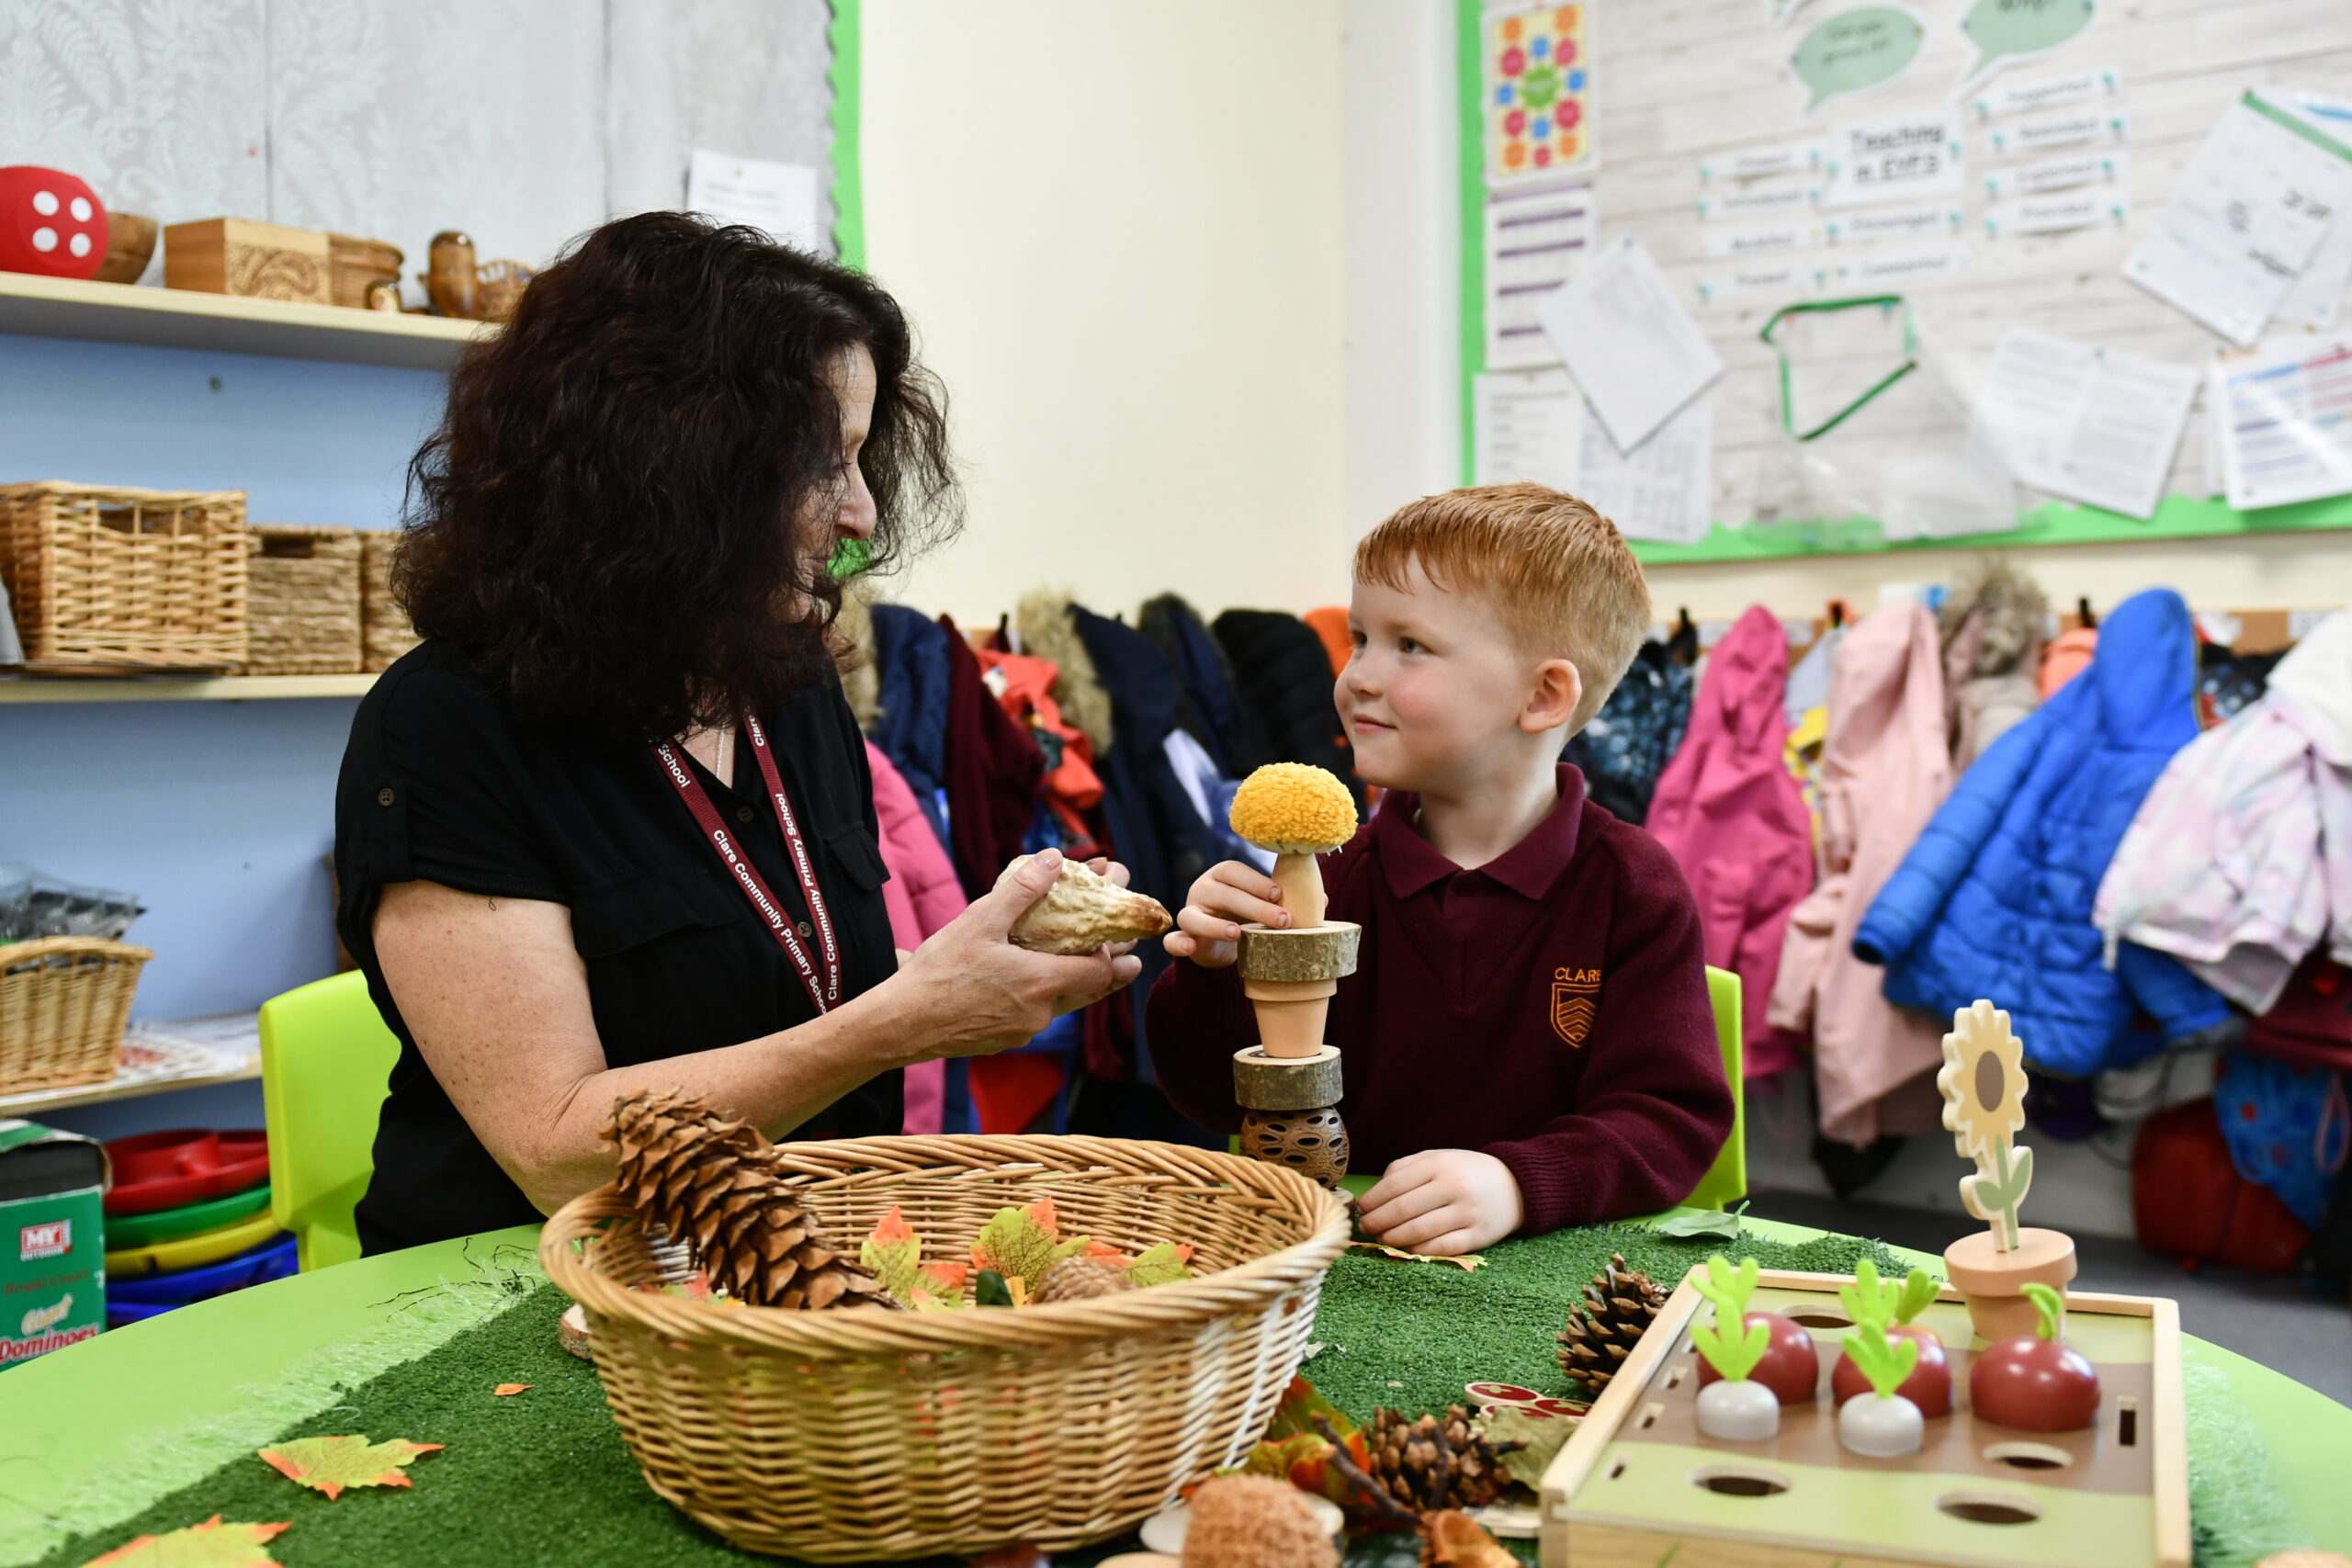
[(1549, 1008)]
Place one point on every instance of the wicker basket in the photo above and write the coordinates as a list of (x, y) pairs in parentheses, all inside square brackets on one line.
[(305, 601), (384, 631), (865, 1434), (354, 263), (63, 1002), (125, 576)]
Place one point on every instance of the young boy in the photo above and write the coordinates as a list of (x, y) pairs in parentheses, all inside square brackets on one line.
[(1527, 1040)]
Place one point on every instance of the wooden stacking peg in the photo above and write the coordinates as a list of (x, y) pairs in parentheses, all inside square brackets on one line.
[(1289, 1085)]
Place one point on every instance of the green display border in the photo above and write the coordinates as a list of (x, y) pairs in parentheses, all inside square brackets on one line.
[(2055, 523), (847, 79)]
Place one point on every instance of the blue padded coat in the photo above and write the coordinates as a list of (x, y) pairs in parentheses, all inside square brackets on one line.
[(1994, 900)]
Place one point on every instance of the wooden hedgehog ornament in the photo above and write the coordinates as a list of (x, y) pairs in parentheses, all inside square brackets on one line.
[(1288, 1085)]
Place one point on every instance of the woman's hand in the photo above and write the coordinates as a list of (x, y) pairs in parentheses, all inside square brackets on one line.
[(1227, 895), (967, 991)]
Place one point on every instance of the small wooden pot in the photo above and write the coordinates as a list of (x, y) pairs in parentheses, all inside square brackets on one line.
[(1995, 1282)]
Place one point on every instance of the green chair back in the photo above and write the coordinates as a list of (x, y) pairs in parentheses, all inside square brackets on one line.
[(326, 1059), (1725, 1182)]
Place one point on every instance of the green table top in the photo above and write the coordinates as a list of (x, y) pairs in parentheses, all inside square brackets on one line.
[(82, 1408)]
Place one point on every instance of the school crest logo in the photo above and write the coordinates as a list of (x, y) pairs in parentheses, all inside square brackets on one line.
[(1573, 994)]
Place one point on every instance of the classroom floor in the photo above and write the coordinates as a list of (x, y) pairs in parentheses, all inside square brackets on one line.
[(2278, 1320)]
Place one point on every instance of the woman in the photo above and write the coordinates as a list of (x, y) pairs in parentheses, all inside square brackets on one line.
[(610, 826)]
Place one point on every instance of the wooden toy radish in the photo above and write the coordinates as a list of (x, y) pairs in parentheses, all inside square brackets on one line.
[(1882, 1422), (1871, 1300), (1731, 1405), (2036, 1382), (1789, 1366)]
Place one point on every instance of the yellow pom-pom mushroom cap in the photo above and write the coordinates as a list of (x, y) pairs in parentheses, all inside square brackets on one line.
[(1294, 808)]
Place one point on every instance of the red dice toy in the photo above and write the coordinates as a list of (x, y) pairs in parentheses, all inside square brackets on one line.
[(51, 222)]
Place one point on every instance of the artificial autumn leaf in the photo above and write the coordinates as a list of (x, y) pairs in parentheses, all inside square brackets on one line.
[(1299, 1407), (330, 1465), (209, 1545), (1703, 1222), (1103, 1252), (1161, 1264), (892, 1254), (946, 1279), (1541, 1438), (505, 1389), (1468, 1261), (1024, 1243)]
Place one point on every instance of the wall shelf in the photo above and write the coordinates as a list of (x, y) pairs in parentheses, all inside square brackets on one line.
[(171, 689), (180, 318), (159, 1058)]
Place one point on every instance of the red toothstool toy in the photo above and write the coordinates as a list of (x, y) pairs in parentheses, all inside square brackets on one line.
[(51, 223)]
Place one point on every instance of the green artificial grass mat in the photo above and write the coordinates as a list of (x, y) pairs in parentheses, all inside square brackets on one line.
[(543, 1478)]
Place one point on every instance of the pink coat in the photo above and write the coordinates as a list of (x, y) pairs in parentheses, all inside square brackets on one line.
[(1731, 815), (1883, 771), (922, 895)]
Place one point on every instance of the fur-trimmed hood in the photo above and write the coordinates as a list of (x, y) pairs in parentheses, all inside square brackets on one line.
[(2001, 610)]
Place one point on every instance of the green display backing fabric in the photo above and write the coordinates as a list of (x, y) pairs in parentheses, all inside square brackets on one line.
[(2057, 523), (848, 79), (543, 1477)]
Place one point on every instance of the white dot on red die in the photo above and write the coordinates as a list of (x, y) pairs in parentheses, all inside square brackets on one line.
[(44, 239), (80, 209), (45, 203), (79, 244)]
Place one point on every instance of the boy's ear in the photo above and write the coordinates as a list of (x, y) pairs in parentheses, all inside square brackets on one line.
[(1552, 699)]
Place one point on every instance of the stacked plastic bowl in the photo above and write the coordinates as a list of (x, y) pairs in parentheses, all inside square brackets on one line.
[(187, 1217)]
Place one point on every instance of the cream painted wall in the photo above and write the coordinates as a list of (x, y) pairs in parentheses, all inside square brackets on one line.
[(1118, 231)]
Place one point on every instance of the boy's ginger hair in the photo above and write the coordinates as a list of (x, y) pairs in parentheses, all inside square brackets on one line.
[(1556, 572)]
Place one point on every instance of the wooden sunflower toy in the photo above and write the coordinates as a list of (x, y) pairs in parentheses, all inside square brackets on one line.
[(1289, 1083), (1983, 1082)]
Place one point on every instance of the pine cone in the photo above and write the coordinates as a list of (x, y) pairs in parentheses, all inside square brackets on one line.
[(713, 1185), (1434, 1463), (1603, 1329), (1080, 1279)]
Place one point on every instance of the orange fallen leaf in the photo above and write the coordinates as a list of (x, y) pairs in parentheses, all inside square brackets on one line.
[(502, 1390), (330, 1464), (1468, 1261), (209, 1545)]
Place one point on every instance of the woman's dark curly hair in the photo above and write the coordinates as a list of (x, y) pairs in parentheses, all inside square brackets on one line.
[(603, 525)]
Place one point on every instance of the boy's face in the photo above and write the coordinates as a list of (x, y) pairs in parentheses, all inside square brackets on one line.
[(1437, 697)]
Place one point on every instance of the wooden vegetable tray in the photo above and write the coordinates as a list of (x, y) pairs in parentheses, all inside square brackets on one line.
[(1639, 1484)]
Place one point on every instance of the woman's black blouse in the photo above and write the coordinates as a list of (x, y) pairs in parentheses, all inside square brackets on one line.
[(442, 783)]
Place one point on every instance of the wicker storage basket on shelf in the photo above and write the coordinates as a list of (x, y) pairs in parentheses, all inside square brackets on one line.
[(384, 631), (63, 1002), (106, 576), (863, 1434), (305, 601)]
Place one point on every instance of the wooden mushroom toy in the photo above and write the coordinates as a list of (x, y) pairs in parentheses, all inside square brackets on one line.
[(1982, 1083), (1289, 1083)]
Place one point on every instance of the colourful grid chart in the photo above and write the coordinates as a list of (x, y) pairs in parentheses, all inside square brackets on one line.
[(1539, 88)]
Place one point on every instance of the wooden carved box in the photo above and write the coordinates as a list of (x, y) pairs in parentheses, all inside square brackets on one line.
[(255, 261)]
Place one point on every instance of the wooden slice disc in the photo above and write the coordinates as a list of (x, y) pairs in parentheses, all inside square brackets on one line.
[(1324, 952)]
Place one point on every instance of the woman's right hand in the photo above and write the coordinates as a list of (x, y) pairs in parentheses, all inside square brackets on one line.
[(969, 992)]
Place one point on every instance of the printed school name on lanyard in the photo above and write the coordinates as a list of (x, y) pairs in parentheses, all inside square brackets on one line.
[(747, 876)]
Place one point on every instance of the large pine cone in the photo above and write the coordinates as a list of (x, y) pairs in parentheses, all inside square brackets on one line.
[(713, 1185), (1603, 1329), (1436, 1463)]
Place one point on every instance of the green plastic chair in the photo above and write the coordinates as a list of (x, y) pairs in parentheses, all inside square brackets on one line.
[(325, 1060)]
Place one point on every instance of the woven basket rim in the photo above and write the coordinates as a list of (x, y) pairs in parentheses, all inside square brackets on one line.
[(15, 952), (122, 492), (306, 530), (852, 1331)]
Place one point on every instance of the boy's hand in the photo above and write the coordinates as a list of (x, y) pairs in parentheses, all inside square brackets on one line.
[(1229, 895), (1443, 1202)]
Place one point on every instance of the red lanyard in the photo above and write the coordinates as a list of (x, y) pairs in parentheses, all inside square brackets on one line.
[(747, 876)]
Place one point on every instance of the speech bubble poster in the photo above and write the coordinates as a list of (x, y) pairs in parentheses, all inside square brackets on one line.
[(1857, 51), (2007, 31), (1539, 93)]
